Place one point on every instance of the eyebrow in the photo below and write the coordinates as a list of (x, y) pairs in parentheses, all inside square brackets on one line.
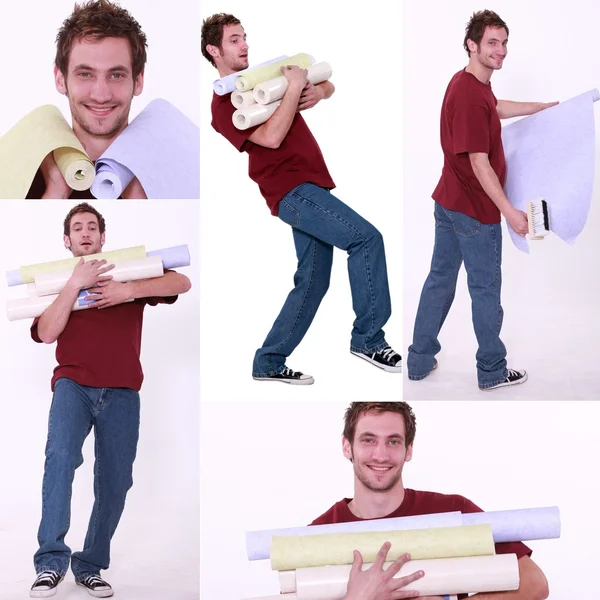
[(82, 223), (389, 437), (84, 67)]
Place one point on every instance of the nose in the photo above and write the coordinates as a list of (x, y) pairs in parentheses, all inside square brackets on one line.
[(100, 91), (380, 452), (245, 46)]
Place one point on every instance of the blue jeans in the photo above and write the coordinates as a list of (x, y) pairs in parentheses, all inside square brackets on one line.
[(319, 222), (459, 237), (115, 415)]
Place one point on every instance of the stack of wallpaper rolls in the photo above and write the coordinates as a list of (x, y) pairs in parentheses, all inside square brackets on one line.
[(456, 551), (161, 147), (259, 90), (44, 281)]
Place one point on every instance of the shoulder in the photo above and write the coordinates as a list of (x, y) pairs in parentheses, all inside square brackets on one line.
[(334, 515), (436, 502)]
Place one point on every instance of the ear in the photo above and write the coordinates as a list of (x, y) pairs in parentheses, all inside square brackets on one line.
[(409, 452), (102, 238), (472, 46), (214, 51), (138, 84), (347, 448), (59, 81), (67, 242)]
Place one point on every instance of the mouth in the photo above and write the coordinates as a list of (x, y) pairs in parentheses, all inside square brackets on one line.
[(244, 56), (86, 243), (100, 111), (379, 470)]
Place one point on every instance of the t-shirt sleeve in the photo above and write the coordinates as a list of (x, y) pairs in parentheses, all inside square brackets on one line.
[(34, 331), (222, 122), (470, 128)]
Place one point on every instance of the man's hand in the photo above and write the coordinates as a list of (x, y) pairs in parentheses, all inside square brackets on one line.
[(109, 293), (544, 105), (378, 584), (56, 186), (311, 94), (295, 75), (518, 221), (90, 273), (134, 191)]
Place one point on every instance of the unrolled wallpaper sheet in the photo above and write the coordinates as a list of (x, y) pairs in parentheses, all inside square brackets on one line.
[(258, 543), (127, 270), (226, 84), (295, 552), (161, 147), (24, 147), (496, 573), (253, 77), (550, 155)]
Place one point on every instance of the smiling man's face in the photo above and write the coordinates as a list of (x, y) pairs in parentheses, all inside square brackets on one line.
[(84, 235)]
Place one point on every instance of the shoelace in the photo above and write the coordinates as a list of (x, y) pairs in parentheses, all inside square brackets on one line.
[(92, 580), (513, 373), (287, 372), (47, 578), (388, 353)]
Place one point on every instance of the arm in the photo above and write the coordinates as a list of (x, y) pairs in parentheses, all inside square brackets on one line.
[(508, 109), (491, 186), (272, 133), (313, 94)]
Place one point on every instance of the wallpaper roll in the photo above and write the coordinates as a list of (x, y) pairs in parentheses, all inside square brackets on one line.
[(274, 89), (34, 306), (258, 543), (174, 257), (226, 84), (24, 147), (127, 270), (277, 597), (497, 573), (287, 581), (519, 525), (253, 115), (295, 552), (161, 147), (27, 273), (550, 155), (249, 80), (242, 99)]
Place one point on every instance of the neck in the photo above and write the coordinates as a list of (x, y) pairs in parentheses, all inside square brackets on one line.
[(368, 504), (484, 74), (94, 145)]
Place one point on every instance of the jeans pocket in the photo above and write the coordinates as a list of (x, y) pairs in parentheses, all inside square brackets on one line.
[(288, 214), (463, 224)]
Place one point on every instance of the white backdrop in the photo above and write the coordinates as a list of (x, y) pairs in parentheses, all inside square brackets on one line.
[(27, 43), (155, 548), (248, 256), (280, 465), (550, 297)]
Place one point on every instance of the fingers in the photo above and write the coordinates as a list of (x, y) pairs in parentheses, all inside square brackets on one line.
[(381, 555), (397, 565), (402, 582), (356, 563)]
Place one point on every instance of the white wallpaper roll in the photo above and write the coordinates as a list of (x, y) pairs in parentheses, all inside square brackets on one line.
[(242, 99), (33, 306), (254, 115), (444, 576), (287, 581), (274, 89), (127, 270)]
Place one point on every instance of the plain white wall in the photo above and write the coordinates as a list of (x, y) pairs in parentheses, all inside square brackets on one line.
[(273, 464), (549, 297), (27, 43), (248, 256), (158, 533)]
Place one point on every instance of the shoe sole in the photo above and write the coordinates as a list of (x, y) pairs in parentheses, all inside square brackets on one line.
[(501, 385), (373, 362), (99, 594), (309, 381), (44, 594)]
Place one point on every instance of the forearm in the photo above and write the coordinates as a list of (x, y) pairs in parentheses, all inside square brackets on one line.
[(54, 319), (489, 182), (508, 109), (170, 284), (327, 88)]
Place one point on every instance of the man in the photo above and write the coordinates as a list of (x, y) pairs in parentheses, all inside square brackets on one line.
[(469, 200), (99, 66), (378, 440), (286, 162), (95, 384)]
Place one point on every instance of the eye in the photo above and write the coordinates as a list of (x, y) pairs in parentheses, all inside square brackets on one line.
[(117, 75), (84, 75)]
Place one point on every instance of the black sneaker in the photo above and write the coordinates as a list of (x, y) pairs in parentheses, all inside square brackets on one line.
[(45, 584), (513, 377), (287, 376), (96, 586), (385, 359)]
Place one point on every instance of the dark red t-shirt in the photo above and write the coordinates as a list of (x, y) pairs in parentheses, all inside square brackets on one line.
[(469, 123), (420, 503), (101, 348), (276, 171)]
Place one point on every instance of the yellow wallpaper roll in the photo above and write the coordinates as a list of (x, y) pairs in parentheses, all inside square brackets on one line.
[(295, 552), (253, 77), (24, 147), (29, 272)]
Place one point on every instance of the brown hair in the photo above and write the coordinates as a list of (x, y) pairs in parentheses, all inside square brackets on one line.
[(476, 26), (212, 33), (99, 19), (84, 207), (356, 409)]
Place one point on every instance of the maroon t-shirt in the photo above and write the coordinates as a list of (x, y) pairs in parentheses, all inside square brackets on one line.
[(276, 171), (469, 123), (420, 503), (101, 347)]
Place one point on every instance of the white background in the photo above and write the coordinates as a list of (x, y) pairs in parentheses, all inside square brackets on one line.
[(550, 297), (248, 256), (27, 45), (155, 548), (271, 465)]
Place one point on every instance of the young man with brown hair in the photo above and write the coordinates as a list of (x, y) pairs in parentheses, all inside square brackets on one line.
[(95, 384), (286, 162), (99, 66), (469, 200), (378, 440)]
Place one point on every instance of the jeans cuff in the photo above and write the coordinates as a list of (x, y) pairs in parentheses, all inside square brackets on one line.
[(377, 348), (268, 373)]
